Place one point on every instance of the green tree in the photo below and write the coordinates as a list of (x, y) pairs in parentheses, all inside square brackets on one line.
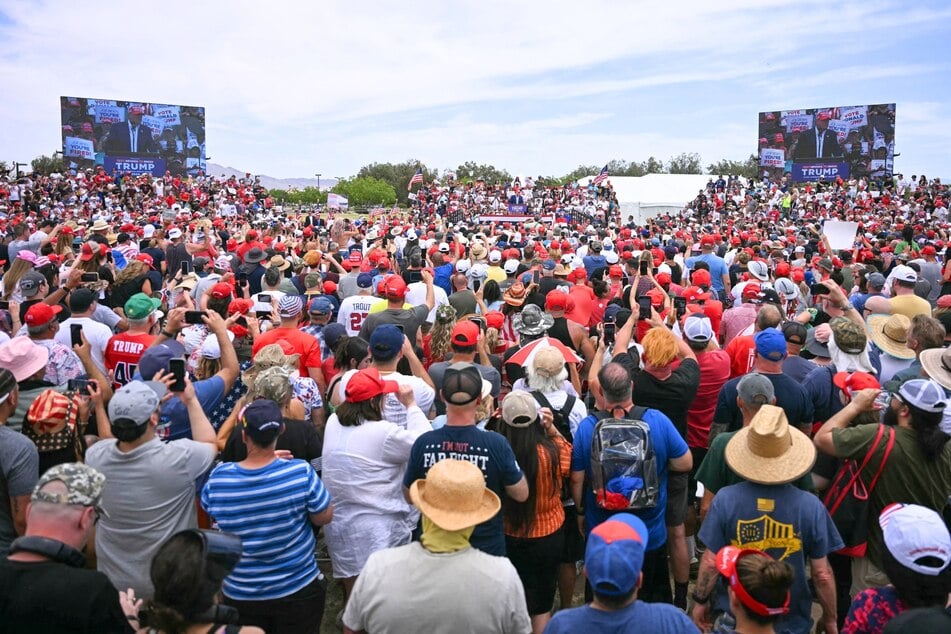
[(364, 191), (725, 167), (48, 164), (685, 163), (471, 171), (397, 175), (578, 173)]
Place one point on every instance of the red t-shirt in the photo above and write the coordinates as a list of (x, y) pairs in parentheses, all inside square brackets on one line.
[(714, 372), (122, 355), (305, 345), (584, 300)]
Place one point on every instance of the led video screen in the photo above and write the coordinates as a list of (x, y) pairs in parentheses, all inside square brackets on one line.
[(827, 143), (132, 136)]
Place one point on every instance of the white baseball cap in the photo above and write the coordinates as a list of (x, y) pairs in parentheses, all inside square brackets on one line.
[(495, 256), (174, 233), (911, 533), (510, 266), (904, 273)]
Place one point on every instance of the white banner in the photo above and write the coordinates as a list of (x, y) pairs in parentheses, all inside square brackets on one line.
[(156, 124), (841, 129), (769, 157), (168, 114), (855, 116), (110, 114), (78, 148), (841, 234), (336, 201), (798, 123)]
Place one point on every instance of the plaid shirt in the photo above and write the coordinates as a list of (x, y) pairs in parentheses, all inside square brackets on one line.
[(317, 331)]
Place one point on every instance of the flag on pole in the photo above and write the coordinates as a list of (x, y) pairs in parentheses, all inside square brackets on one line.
[(602, 176), (417, 178)]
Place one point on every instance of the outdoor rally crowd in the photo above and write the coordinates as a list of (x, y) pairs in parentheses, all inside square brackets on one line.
[(735, 427)]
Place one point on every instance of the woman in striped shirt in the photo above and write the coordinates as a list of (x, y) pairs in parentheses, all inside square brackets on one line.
[(273, 505)]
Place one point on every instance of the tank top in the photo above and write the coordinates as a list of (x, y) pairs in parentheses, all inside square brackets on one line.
[(559, 330)]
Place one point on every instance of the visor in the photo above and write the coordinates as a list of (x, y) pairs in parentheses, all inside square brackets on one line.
[(726, 565), (220, 553)]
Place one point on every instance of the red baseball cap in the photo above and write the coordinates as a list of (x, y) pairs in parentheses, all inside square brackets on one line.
[(850, 382), (751, 290), (394, 287), (495, 319), (367, 384), (221, 290), (465, 333), (707, 240), (616, 271), (663, 279), (556, 300), (145, 257), (41, 313), (701, 277), (657, 296), (330, 287), (726, 565), (928, 250), (695, 294), (783, 269)]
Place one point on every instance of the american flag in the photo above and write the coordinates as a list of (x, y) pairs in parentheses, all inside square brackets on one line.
[(417, 178), (602, 176)]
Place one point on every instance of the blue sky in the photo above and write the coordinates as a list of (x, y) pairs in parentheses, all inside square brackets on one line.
[(293, 88)]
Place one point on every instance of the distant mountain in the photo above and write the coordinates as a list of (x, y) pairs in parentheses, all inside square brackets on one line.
[(220, 171)]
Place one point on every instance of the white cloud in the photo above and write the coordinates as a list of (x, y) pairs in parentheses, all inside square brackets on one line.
[(291, 85)]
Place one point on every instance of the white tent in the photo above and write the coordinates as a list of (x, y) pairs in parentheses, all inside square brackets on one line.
[(653, 195)]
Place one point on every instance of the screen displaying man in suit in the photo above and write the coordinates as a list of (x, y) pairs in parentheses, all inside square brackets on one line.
[(130, 137), (819, 142)]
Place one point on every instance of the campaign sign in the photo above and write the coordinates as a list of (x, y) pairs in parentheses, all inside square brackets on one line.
[(841, 129), (168, 114), (855, 116), (135, 165), (110, 114), (798, 123), (812, 171), (517, 209), (155, 124), (770, 157), (78, 148)]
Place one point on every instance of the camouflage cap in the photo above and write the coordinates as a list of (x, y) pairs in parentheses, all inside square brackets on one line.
[(849, 337), (83, 485), (273, 384)]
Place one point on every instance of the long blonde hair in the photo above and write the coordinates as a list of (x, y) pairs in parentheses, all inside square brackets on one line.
[(64, 244), (11, 278), (442, 329), (134, 269)]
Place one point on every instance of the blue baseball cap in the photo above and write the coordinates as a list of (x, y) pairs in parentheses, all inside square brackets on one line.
[(262, 418), (614, 555), (365, 280), (321, 306), (157, 357), (770, 344), (385, 342), (548, 265)]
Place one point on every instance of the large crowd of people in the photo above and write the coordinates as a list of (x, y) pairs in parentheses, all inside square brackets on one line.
[(710, 421)]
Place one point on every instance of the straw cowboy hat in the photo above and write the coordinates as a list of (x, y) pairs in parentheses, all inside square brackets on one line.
[(453, 495), (890, 334), (937, 363), (769, 451)]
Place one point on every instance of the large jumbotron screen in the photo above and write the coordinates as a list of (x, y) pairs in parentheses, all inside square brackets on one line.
[(826, 143), (132, 136)]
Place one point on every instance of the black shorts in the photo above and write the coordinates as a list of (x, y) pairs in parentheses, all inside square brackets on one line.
[(536, 560), (573, 549), (676, 498)]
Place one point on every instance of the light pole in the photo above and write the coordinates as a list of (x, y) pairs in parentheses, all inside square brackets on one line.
[(318, 180)]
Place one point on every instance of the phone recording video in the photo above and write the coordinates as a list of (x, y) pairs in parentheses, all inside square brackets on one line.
[(177, 368), (644, 307), (610, 328), (194, 316), (680, 305)]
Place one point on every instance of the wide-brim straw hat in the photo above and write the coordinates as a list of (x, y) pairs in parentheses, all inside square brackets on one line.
[(769, 451), (454, 496), (890, 334), (937, 363)]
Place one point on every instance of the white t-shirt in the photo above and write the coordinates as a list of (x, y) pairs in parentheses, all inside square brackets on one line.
[(353, 310), (96, 334), (393, 410), (416, 295)]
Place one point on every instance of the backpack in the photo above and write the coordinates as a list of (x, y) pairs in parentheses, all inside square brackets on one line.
[(848, 499), (623, 463), (561, 417)]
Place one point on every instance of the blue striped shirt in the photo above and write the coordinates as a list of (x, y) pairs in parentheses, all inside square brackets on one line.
[(268, 508)]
